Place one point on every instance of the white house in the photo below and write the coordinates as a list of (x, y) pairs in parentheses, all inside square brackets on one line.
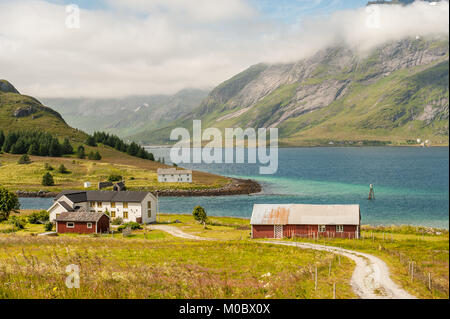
[(137, 207), (173, 175)]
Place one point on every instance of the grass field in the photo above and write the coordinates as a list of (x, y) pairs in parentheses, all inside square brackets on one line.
[(155, 265), (138, 173), (398, 246)]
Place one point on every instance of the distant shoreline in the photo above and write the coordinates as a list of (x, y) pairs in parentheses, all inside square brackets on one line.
[(236, 187)]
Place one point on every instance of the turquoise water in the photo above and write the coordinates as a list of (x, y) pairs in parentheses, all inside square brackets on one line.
[(411, 184)]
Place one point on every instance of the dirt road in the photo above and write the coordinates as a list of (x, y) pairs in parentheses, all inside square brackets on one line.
[(370, 279)]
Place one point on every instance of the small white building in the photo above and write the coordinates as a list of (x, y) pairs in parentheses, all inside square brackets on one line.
[(137, 207), (87, 184), (173, 175)]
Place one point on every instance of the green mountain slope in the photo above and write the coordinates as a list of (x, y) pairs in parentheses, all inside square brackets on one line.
[(21, 112), (394, 94)]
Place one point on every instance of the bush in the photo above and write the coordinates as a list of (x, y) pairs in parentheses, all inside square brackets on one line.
[(24, 159), (47, 180), (132, 225), (17, 222), (199, 214), (62, 169), (48, 226), (38, 217), (117, 221), (48, 167), (80, 152), (114, 178)]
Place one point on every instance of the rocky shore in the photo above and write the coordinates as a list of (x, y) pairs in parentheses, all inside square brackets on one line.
[(236, 187)]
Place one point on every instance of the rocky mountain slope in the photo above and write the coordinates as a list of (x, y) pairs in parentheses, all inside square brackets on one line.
[(395, 94), (21, 112), (129, 115)]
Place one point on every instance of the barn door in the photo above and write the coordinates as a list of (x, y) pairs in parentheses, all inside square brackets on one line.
[(278, 231)]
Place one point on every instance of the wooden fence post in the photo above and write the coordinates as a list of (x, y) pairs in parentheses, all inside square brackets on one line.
[(334, 290), (329, 270), (429, 281), (315, 279)]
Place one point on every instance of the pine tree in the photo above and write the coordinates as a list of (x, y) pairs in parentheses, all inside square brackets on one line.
[(67, 147), (2, 139), (97, 156), (47, 180), (24, 159), (80, 152)]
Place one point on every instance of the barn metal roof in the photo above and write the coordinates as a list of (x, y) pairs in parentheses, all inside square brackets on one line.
[(303, 214)]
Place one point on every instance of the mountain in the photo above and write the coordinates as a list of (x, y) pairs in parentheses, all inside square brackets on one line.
[(22, 112), (395, 94), (127, 116)]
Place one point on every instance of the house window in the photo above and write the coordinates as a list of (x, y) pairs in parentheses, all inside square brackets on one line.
[(57, 215), (92, 204), (113, 205), (113, 214), (125, 215), (89, 225), (149, 209), (339, 228), (322, 228), (99, 204), (70, 225), (125, 205)]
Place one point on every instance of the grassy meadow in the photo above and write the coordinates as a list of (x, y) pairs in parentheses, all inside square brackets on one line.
[(138, 173)]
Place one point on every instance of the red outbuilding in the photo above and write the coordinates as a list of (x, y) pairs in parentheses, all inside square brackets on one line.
[(81, 222), (309, 221)]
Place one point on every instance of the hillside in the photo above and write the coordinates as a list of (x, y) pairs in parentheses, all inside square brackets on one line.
[(129, 115), (22, 112), (394, 95)]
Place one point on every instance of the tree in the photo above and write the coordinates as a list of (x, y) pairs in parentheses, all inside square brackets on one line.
[(24, 159), (199, 214), (62, 169), (8, 202), (80, 152), (47, 180), (33, 149), (97, 156), (67, 148), (90, 141), (48, 167), (2, 139)]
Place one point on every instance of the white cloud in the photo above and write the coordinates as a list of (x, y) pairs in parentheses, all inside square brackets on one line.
[(161, 46)]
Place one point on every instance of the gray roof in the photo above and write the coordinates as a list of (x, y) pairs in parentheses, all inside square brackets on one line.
[(299, 214), (79, 217), (66, 206), (103, 196)]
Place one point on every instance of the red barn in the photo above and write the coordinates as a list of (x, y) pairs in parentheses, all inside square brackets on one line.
[(310, 221), (82, 223)]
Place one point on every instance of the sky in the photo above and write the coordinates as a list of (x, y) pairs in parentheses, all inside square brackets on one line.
[(116, 48)]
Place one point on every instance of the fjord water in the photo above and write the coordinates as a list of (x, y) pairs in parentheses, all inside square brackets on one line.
[(411, 184)]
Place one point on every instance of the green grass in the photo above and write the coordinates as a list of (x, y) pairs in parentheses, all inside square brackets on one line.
[(34, 267)]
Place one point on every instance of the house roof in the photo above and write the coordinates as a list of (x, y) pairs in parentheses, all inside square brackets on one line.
[(300, 214), (103, 196), (79, 217), (66, 206), (169, 171)]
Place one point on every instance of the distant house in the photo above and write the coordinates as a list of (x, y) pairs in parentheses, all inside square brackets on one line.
[(173, 175), (131, 206), (311, 221), (82, 222)]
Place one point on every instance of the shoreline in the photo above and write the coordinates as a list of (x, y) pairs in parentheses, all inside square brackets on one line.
[(236, 187)]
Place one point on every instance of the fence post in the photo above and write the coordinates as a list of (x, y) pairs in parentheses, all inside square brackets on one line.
[(429, 281), (329, 270), (334, 290), (315, 279)]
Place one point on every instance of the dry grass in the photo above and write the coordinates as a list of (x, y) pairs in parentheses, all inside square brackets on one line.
[(34, 267)]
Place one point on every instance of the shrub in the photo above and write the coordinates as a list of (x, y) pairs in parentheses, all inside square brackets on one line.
[(48, 226), (9, 202), (47, 180), (62, 169), (114, 178), (17, 222), (199, 214), (132, 225), (38, 217), (80, 152), (24, 159), (117, 221), (48, 167)]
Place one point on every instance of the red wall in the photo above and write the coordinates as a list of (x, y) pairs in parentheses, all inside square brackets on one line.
[(310, 231), (81, 227), (262, 231)]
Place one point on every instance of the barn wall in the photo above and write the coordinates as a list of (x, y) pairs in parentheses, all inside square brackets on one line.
[(262, 231), (103, 224), (309, 231), (80, 228)]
